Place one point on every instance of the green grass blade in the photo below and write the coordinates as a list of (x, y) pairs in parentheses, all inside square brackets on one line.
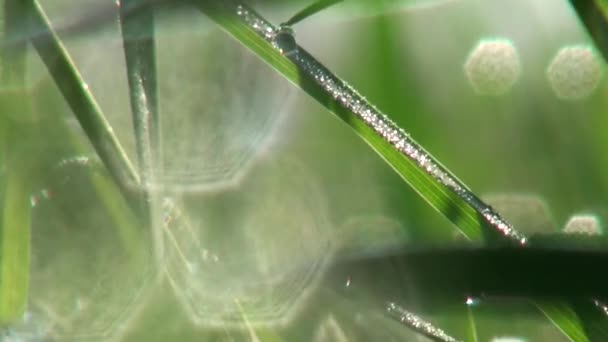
[(594, 16), (15, 247), (76, 92), (137, 26), (564, 318), (471, 327), (313, 8), (15, 217), (428, 177)]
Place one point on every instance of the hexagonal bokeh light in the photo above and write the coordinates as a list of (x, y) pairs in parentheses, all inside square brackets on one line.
[(583, 224), (249, 254), (528, 213), (493, 67), (91, 261), (574, 73), (214, 128)]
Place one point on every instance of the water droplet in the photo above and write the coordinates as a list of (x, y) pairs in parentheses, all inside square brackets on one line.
[(574, 73), (285, 40), (493, 67)]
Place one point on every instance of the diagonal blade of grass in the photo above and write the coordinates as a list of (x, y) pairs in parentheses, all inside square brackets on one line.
[(441, 189), (564, 318), (82, 102), (594, 16), (428, 177)]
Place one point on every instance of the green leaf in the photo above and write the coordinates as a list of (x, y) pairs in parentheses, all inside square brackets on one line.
[(564, 318)]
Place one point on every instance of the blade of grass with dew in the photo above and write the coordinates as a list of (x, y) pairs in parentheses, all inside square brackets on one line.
[(440, 189), (137, 27), (76, 92), (418, 324), (15, 220)]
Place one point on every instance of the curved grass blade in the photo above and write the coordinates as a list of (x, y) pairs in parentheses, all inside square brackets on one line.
[(310, 10), (87, 111)]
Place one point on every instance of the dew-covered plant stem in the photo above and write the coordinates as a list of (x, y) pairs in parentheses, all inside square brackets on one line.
[(420, 169), (418, 324)]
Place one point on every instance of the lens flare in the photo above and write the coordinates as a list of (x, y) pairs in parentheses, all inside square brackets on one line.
[(89, 269), (255, 251)]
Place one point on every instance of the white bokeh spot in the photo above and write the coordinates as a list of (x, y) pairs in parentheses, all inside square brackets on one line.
[(493, 67)]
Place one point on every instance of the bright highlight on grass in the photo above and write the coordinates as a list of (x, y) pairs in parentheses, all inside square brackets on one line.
[(493, 67), (583, 224), (528, 213), (574, 73)]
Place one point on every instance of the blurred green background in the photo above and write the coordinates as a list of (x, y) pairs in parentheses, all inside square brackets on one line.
[(258, 190)]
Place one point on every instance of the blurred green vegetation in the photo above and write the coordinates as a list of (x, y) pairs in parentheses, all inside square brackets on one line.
[(231, 128)]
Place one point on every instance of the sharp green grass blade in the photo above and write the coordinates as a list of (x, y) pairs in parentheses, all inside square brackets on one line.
[(76, 92), (137, 25), (427, 176)]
